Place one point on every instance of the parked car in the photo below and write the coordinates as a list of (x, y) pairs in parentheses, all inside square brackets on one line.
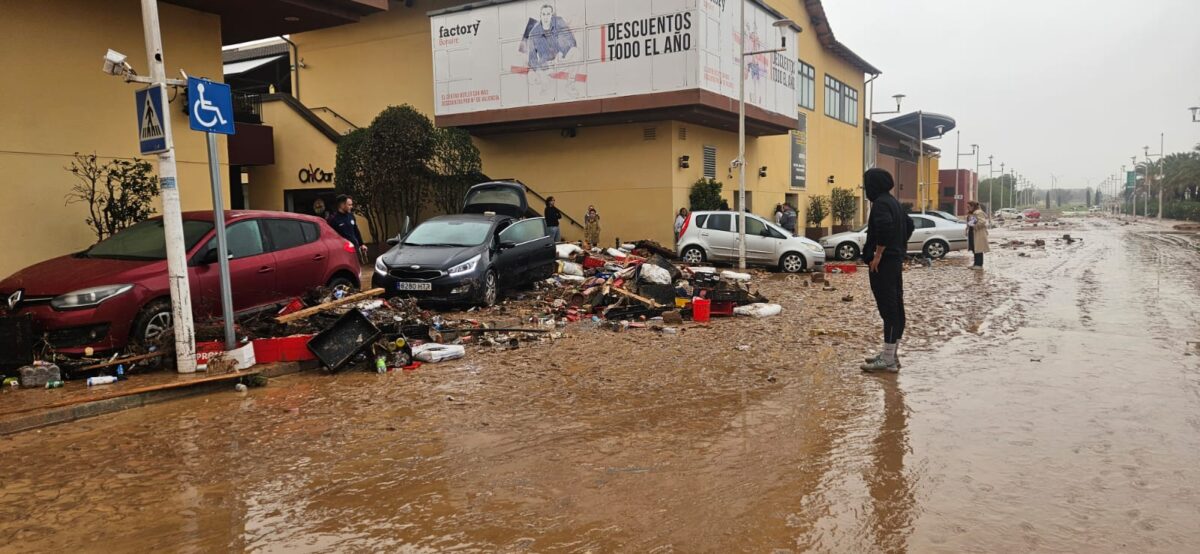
[(470, 257), (933, 237), (1031, 213), (944, 215), (116, 292), (1003, 213), (713, 237)]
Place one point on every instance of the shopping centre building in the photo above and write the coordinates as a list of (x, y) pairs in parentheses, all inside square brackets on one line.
[(620, 104)]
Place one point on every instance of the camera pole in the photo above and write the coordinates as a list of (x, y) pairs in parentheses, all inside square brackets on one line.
[(177, 277)]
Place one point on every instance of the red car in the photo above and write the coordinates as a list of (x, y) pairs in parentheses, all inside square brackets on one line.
[(1031, 213), (116, 292)]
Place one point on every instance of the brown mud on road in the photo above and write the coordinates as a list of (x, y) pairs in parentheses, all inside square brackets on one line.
[(1045, 404)]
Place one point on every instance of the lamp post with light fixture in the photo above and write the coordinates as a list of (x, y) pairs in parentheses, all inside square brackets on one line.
[(741, 159), (958, 169), (1159, 155), (1195, 114), (871, 134)]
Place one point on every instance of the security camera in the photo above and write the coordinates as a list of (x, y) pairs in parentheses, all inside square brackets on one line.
[(114, 63)]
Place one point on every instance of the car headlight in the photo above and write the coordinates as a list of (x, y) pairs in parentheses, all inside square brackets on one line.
[(465, 267), (814, 248), (380, 267), (87, 298)]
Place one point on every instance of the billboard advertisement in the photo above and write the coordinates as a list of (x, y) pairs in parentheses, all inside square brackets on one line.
[(800, 153), (538, 52)]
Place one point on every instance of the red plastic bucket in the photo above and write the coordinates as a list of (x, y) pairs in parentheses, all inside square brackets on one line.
[(701, 309)]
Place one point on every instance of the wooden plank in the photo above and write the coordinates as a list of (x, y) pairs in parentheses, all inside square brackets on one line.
[(128, 360), (641, 299), (117, 393), (309, 312)]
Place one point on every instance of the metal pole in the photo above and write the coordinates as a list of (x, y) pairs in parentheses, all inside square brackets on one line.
[(957, 167), (920, 155), (1162, 141), (214, 171), (742, 136), (177, 277)]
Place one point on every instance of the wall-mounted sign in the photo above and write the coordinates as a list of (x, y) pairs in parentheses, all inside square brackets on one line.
[(312, 174), (537, 52), (800, 153)]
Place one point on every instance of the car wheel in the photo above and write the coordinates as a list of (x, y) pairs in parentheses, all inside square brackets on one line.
[(693, 255), (491, 290), (342, 283), (847, 251), (792, 263), (152, 324), (936, 249)]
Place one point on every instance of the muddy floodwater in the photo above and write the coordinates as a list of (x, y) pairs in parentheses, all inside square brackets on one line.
[(1049, 403)]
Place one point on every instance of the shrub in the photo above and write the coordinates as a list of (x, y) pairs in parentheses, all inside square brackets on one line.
[(706, 195), (843, 205), (817, 211)]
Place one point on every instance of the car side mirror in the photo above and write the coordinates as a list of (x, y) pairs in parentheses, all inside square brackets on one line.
[(765, 232), (209, 257), (507, 245), (393, 241)]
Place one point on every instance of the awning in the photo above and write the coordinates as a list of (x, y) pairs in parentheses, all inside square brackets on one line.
[(237, 68)]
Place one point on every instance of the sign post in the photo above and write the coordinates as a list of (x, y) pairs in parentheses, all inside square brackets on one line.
[(152, 102), (210, 110)]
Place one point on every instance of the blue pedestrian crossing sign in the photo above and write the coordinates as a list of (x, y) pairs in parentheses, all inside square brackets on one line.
[(210, 106), (152, 123)]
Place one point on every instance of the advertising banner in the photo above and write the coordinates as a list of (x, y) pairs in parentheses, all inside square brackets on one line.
[(538, 52), (800, 153)]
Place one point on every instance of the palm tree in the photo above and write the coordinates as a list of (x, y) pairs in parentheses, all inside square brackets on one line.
[(1181, 174)]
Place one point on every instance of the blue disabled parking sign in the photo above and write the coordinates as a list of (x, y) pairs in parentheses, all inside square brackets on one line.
[(152, 123), (210, 106)]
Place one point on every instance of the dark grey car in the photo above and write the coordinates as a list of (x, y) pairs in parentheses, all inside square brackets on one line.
[(470, 257)]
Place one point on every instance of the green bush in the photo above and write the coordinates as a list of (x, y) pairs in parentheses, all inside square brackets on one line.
[(706, 195), (817, 211), (843, 205)]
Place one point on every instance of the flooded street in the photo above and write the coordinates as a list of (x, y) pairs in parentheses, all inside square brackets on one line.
[(1049, 403)]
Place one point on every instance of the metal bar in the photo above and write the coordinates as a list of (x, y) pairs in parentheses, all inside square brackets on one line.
[(214, 171)]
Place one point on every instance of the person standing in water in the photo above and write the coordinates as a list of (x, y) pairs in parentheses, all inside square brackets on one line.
[(888, 231)]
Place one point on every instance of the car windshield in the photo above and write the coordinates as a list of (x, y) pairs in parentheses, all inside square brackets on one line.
[(449, 233), (146, 241)]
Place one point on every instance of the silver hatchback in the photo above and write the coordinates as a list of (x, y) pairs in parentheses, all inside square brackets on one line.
[(714, 237)]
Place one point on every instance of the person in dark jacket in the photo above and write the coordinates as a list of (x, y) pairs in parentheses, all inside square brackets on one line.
[(344, 223), (888, 231), (553, 216)]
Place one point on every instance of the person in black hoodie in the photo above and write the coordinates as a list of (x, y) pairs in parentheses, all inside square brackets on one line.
[(888, 231)]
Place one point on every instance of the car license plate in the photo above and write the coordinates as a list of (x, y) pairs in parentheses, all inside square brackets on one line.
[(408, 285)]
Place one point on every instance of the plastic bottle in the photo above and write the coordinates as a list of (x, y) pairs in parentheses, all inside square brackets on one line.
[(120, 372), (54, 384), (101, 380), (381, 364)]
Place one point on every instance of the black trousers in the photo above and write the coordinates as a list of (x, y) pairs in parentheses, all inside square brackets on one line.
[(887, 285), (971, 247)]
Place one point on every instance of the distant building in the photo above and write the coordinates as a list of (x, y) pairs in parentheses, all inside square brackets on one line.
[(959, 186)]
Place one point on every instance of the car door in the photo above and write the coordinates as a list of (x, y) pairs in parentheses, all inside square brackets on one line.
[(251, 268), (922, 227), (301, 260), (761, 241), (717, 236), (525, 243)]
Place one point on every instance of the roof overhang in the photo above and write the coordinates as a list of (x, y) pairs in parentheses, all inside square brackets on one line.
[(923, 125), (820, 26), (243, 20)]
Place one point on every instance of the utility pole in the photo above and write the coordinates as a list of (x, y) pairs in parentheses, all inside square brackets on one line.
[(958, 169), (991, 208), (177, 277)]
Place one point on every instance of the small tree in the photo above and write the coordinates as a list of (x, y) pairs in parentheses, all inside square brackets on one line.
[(118, 193), (398, 150), (843, 205), (456, 166), (817, 211), (706, 195), (350, 179)]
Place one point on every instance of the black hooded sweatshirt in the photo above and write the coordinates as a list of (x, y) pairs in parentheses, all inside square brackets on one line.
[(887, 226)]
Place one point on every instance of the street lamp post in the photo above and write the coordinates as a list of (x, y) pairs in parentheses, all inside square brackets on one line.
[(1133, 193), (741, 160), (991, 209), (1159, 155), (1195, 114), (871, 131), (958, 168)]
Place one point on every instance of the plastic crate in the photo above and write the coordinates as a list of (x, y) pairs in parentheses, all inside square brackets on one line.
[(337, 345), (284, 349)]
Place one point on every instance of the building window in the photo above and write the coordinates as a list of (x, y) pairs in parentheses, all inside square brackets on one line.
[(833, 97), (948, 191), (806, 89), (841, 101), (710, 162), (850, 112)]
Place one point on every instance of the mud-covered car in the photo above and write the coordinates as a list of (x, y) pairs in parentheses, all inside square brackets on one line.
[(470, 258)]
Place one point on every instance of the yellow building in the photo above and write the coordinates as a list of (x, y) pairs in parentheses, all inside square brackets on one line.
[(624, 154), (55, 101)]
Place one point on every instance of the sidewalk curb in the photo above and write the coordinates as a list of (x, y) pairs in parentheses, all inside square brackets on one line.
[(66, 414)]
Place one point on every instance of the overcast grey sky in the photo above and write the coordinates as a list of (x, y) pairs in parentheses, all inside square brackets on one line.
[(1065, 87)]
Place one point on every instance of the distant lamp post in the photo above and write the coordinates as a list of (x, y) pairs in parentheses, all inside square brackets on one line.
[(958, 193), (1149, 178), (1195, 114), (741, 159)]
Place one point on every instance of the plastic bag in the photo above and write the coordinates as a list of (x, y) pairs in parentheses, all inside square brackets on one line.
[(759, 310), (567, 250), (433, 353), (570, 268), (735, 276), (655, 274)]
